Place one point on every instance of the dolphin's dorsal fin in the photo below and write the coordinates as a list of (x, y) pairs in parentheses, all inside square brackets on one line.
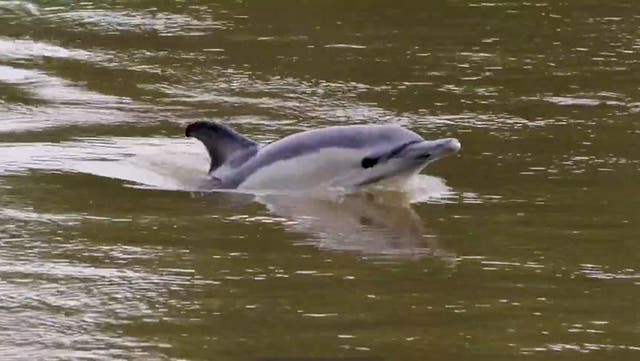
[(221, 141)]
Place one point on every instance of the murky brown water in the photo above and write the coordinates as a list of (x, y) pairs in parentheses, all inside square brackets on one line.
[(525, 246)]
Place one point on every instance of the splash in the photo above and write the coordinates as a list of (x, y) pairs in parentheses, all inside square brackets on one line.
[(20, 7), (159, 163)]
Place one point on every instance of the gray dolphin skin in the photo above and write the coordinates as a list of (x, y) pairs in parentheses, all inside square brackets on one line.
[(340, 156)]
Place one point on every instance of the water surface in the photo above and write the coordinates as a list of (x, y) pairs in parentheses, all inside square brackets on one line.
[(523, 246)]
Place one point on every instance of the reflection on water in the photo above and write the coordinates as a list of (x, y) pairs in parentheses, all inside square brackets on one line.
[(108, 249), (370, 223)]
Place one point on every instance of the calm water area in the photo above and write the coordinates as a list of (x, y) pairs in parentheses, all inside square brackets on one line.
[(523, 246)]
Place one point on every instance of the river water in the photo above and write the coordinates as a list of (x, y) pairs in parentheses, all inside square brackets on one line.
[(525, 245)]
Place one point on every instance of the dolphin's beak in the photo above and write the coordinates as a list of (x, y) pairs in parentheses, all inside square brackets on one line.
[(431, 150), (448, 146)]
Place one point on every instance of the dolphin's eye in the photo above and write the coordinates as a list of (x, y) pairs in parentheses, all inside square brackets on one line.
[(368, 162)]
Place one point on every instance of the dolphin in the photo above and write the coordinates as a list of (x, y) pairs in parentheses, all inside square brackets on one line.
[(348, 157)]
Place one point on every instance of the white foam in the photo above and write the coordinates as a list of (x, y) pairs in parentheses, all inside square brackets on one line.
[(161, 163)]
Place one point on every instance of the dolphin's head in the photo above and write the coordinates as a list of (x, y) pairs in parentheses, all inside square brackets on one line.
[(406, 159), (427, 151)]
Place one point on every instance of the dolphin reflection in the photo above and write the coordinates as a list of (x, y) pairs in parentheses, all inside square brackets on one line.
[(375, 224)]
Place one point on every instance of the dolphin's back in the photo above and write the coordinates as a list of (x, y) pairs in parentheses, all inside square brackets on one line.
[(350, 136), (361, 139)]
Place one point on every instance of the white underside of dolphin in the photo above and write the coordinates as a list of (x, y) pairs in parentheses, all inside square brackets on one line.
[(332, 167), (335, 157)]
